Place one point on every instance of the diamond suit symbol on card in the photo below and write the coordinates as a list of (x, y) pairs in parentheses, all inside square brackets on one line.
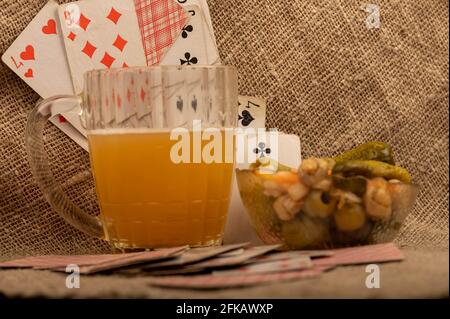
[(107, 60), (89, 49), (114, 15), (120, 42), (129, 95), (84, 22), (72, 36)]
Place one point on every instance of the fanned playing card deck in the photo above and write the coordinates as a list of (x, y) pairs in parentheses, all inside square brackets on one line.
[(64, 41), (218, 266)]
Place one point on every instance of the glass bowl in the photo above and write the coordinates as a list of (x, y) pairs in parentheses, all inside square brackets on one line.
[(326, 220)]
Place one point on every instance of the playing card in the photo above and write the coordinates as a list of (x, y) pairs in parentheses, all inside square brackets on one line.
[(61, 122), (361, 255), (290, 255), (298, 263), (235, 252), (100, 34), (249, 253), (251, 112), (160, 22), (192, 255), (38, 57), (91, 263), (211, 47), (190, 47), (215, 281)]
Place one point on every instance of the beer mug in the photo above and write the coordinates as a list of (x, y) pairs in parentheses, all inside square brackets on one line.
[(162, 153)]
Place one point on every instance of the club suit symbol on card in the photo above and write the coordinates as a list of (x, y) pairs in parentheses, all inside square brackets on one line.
[(200, 8), (188, 60), (245, 118), (261, 151), (190, 47), (186, 30)]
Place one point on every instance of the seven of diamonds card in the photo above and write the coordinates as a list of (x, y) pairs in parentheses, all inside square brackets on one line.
[(99, 35)]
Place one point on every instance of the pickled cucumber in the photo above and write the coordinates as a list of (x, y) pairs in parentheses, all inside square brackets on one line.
[(371, 169), (376, 151)]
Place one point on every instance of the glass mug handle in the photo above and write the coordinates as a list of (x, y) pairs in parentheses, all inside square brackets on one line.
[(40, 167)]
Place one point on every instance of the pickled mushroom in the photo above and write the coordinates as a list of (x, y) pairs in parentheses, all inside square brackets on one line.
[(314, 170)]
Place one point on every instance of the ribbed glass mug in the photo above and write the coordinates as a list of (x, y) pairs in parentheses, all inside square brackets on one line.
[(161, 149)]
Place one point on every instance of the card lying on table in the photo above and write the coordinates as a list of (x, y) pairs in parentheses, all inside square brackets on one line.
[(91, 263), (362, 255), (299, 263), (231, 265), (215, 282), (190, 256)]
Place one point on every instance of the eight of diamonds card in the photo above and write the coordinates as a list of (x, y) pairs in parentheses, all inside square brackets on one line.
[(100, 34)]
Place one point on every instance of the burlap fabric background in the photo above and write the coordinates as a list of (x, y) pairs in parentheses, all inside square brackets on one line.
[(326, 77)]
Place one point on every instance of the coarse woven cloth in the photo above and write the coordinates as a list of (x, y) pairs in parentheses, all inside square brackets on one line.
[(326, 77)]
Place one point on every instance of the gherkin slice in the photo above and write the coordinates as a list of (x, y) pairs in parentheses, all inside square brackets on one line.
[(371, 169), (376, 151)]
